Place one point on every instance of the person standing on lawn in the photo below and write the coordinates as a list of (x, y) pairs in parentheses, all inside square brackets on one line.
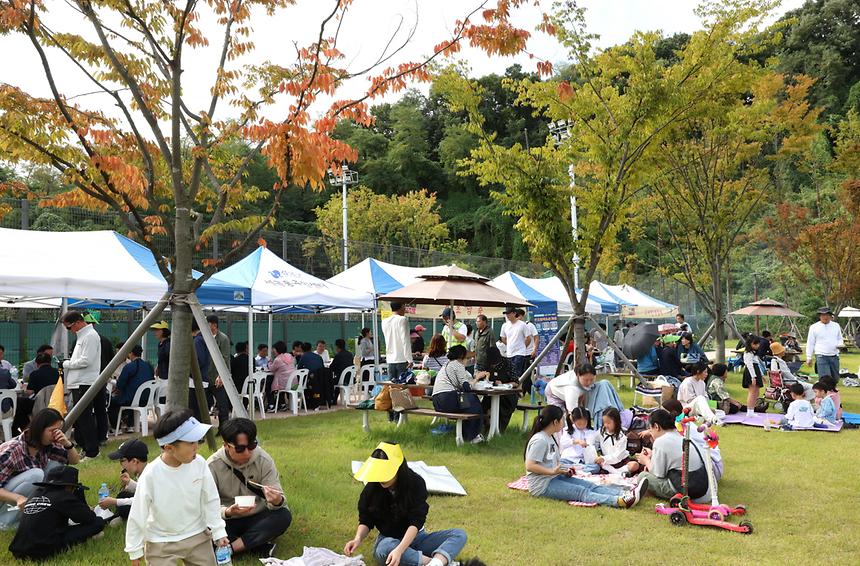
[(398, 348), (394, 501), (823, 341), (515, 336), (79, 374), (241, 468), (484, 340), (220, 394), (454, 332)]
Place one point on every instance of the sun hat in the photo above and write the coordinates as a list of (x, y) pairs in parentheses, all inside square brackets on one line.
[(191, 430), (777, 349), (90, 318), (61, 476), (670, 338), (134, 448), (381, 469), (160, 326), (825, 310)]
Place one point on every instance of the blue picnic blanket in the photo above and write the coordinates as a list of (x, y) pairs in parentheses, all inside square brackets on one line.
[(853, 418)]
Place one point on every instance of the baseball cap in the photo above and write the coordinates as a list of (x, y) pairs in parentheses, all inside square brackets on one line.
[(90, 318), (446, 312), (160, 325), (191, 430), (134, 448), (419, 328), (381, 469), (509, 309)]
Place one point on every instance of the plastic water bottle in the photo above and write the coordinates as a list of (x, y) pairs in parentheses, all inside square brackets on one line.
[(104, 492), (224, 556), (773, 365)]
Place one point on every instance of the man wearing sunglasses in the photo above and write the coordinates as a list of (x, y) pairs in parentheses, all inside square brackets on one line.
[(79, 373), (242, 468)]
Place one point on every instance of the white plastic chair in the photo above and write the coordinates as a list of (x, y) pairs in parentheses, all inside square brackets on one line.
[(347, 376), (7, 422), (366, 380), (300, 378), (141, 412), (160, 408), (254, 390), (567, 364)]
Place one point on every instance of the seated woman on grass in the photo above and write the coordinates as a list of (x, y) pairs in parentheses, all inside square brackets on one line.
[(578, 388), (547, 478), (394, 501)]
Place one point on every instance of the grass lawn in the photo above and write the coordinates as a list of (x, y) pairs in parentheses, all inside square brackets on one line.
[(800, 489)]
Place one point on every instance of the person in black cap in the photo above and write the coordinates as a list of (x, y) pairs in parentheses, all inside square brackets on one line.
[(44, 529), (133, 456)]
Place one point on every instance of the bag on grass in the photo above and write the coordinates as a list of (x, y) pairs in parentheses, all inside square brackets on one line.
[(383, 400), (697, 480), (401, 399)]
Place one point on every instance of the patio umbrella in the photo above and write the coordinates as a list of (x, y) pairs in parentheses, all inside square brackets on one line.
[(767, 307), (453, 286), (639, 340), (849, 312)]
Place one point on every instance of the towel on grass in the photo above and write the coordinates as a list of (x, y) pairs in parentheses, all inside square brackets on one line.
[(316, 557), (522, 484), (757, 419), (438, 479)]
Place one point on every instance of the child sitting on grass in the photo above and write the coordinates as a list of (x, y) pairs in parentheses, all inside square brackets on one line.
[(826, 412), (615, 458), (832, 392), (176, 512), (717, 390), (800, 413), (577, 435), (132, 455)]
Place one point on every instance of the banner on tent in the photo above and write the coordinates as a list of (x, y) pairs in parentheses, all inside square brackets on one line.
[(545, 319)]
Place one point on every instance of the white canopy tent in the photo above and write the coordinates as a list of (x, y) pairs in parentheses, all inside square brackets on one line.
[(852, 316), (641, 305)]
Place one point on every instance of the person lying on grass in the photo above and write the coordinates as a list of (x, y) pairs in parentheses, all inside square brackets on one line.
[(547, 478), (132, 455), (176, 514), (394, 501), (663, 463)]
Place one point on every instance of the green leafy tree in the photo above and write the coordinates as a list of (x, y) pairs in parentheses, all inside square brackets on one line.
[(622, 104)]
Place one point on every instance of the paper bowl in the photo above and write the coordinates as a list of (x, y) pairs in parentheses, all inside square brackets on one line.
[(246, 500)]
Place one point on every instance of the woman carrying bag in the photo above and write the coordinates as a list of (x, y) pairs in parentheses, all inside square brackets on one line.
[(452, 392)]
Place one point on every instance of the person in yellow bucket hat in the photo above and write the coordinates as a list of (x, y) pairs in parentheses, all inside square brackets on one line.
[(394, 501)]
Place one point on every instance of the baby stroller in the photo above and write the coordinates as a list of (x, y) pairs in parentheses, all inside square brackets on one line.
[(778, 393)]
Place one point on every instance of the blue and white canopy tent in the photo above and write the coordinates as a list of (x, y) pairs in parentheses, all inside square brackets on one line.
[(264, 282), (550, 289), (641, 305)]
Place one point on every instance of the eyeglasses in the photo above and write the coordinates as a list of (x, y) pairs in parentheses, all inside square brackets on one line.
[(240, 448), (68, 326)]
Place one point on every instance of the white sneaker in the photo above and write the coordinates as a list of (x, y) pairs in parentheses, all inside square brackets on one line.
[(478, 439)]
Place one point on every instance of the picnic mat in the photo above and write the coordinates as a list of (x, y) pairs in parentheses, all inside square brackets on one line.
[(522, 484), (853, 418), (438, 479), (316, 557), (757, 419)]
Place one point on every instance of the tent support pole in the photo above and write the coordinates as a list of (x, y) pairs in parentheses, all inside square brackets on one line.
[(627, 363), (64, 336), (250, 357), (271, 316), (121, 354), (561, 331), (145, 334), (376, 369), (223, 370)]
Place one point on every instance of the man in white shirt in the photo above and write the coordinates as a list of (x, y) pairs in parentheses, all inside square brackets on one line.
[(322, 352), (823, 341), (515, 336), (79, 373), (533, 333), (398, 348), (261, 360)]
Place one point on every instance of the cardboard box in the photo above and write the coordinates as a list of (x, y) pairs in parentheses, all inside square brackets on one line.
[(667, 392)]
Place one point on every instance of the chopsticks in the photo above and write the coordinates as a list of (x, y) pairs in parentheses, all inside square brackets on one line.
[(261, 486)]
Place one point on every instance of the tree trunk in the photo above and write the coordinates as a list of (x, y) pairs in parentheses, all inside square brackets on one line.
[(180, 342)]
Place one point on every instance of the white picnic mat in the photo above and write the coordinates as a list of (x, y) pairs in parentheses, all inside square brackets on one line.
[(438, 479)]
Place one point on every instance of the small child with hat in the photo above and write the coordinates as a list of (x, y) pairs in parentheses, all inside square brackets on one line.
[(44, 530), (133, 456), (176, 510)]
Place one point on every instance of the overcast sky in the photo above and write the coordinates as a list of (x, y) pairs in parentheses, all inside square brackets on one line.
[(365, 31)]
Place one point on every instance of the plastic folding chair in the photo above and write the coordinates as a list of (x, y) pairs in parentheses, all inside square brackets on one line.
[(140, 410)]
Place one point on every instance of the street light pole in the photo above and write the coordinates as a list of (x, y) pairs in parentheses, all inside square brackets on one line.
[(560, 130), (345, 177)]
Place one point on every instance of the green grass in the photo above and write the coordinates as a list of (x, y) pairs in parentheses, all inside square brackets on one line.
[(800, 489)]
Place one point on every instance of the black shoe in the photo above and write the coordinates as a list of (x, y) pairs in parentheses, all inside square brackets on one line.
[(266, 550)]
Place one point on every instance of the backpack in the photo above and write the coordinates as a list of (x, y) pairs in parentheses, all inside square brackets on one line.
[(635, 443)]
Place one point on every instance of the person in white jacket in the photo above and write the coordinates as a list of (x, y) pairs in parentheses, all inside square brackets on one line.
[(79, 373), (176, 511)]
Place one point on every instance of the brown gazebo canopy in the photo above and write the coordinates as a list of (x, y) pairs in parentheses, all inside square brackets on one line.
[(452, 285), (768, 307)]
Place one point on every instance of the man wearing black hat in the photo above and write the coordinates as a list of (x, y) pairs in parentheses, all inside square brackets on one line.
[(44, 529), (133, 456), (823, 341)]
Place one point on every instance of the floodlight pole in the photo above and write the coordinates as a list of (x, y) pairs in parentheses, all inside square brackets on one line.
[(560, 130)]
